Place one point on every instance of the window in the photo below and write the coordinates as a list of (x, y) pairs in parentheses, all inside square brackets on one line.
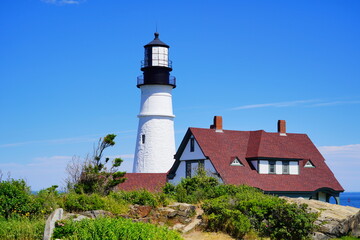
[(188, 169), (272, 167), (143, 138), (236, 162), (160, 56), (192, 144), (147, 58), (309, 164), (201, 165), (285, 167), (192, 164)]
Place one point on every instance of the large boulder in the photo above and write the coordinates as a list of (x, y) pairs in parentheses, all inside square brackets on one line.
[(182, 217), (334, 220), (139, 211)]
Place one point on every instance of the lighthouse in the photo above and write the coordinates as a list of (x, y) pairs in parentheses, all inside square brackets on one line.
[(155, 142)]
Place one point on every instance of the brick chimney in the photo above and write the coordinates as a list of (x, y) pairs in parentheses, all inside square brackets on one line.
[(282, 127), (217, 125)]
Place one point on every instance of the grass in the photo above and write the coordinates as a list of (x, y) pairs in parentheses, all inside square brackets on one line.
[(23, 229), (112, 229)]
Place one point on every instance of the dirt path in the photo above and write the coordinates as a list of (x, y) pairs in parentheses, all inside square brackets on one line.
[(197, 235)]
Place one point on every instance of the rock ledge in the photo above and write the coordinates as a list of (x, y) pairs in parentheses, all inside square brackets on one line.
[(334, 220)]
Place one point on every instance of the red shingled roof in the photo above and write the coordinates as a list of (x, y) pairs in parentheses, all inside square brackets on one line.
[(152, 182), (222, 147)]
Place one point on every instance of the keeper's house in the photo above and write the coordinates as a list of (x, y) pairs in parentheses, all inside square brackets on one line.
[(281, 163)]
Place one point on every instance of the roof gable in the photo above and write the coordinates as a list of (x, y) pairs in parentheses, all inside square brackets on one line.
[(192, 150)]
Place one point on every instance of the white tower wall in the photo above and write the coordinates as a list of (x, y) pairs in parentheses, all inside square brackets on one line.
[(155, 143)]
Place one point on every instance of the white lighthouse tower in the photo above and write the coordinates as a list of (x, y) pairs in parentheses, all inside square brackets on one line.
[(155, 143)]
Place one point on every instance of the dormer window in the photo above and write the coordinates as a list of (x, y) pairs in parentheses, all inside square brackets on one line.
[(236, 162), (276, 166), (285, 167), (272, 167), (309, 164)]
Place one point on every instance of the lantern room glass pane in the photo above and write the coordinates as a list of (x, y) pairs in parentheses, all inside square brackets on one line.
[(147, 57), (155, 49), (160, 56)]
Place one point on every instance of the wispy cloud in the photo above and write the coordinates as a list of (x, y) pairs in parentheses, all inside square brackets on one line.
[(53, 161), (344, 161), (278, 104), (303, 103), (73, 140), (64, 2), (334, 103), (40, 172), (50, 141), (346, 151)]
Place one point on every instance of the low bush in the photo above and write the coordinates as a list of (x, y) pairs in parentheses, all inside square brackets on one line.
[(49, 199), (73, 202), (221, 216), (110, 228), (269, 215), (194, 189), (24, 229), (114, 206), (82, 202), (140, 197), (16, 200)]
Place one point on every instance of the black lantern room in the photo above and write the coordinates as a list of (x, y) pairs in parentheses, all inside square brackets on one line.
[(156, 65)]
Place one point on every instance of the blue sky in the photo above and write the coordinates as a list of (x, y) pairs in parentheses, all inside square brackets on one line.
[(68, 72)]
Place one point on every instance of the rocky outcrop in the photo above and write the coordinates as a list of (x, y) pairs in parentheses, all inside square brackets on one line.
[(334, 220), (60, 214), (50, 223), (180, 216)]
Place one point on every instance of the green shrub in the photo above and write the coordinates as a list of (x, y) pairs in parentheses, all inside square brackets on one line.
[(222, 216), (81, 202), (194, 189), (269, 215), (110, 228), (114, 206), (239, 209), (169, 189), (140, 197), (16, 200), (290, 221), (95, 177), (162, 199), (50, 199), (23, 228)]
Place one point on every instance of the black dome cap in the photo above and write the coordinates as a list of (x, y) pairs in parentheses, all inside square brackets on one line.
[(156, 42)]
